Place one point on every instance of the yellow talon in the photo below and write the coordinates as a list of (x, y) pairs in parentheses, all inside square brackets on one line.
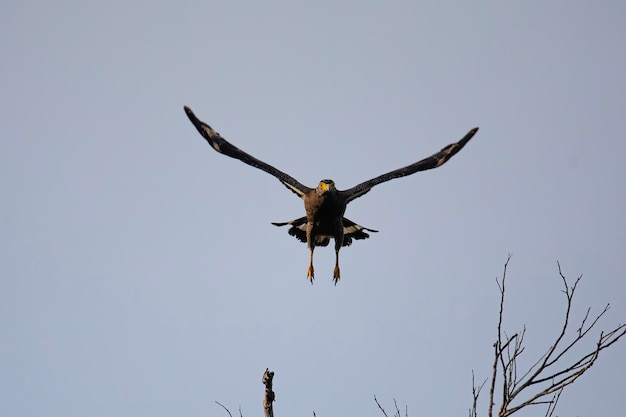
[(336, 274), (310, 273)]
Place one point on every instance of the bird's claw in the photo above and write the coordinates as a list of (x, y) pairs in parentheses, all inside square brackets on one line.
[(336, 275)]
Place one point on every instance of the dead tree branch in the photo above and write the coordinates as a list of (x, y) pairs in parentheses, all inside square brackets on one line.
[(544, 381), (224, 407), (269, 397), (395, 404), (473, 412)]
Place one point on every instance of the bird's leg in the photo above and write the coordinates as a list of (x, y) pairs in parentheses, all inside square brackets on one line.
[(336, 275), (309, 272)]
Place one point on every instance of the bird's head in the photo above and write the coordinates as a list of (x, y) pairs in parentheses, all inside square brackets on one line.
[(325, 186)]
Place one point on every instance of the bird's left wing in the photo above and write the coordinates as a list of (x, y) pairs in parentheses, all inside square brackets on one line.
[(431, 162), (223, 146)]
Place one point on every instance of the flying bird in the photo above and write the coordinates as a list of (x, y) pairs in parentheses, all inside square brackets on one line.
[(325, 205)]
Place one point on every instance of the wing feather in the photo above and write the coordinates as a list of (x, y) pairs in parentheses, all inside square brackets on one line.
[(431, 162), (222, 146)]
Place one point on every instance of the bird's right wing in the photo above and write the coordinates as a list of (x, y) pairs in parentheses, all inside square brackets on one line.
[(224, 147), (433, 161)]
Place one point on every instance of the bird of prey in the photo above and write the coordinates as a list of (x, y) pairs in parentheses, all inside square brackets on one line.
[(325, 205)]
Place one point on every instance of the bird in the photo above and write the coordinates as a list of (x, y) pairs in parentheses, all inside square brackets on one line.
[(325, 205)]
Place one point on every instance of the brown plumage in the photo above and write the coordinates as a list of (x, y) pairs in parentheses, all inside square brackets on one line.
[(325, 205)]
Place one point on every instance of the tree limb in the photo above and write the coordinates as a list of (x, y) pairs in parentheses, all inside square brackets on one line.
[(269, 397), (550, 373)]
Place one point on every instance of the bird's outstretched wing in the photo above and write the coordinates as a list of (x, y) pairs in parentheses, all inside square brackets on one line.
[(431, 162), (223, 146)]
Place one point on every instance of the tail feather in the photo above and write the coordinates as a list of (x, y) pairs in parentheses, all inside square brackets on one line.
[(351, 230)]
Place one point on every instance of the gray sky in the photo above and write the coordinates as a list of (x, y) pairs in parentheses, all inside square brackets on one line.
[(141, 274)]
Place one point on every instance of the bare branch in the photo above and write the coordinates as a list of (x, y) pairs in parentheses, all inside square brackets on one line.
[(550, 371), (473, 412), (380, 407), (397, 413), (494, 370), (397, 409), (498, 344), (222, 405), (569, 294), (553, 403), (269, 397)]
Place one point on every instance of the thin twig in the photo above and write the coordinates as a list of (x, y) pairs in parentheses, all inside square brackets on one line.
[(227, 410), (380, 406), (473, 412)]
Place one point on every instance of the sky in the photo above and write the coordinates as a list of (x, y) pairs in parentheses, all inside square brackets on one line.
[(141, 275)]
